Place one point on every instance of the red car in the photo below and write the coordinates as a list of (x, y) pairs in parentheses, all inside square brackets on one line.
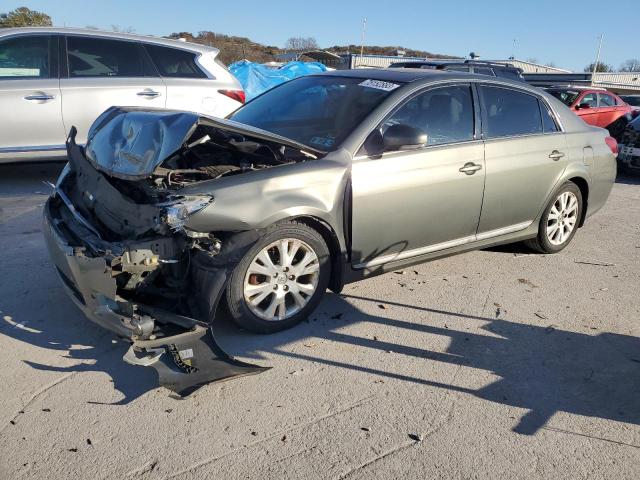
[(596, 106)]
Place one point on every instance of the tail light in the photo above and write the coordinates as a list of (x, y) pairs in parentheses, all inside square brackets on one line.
[(613, 144), (237, 95)]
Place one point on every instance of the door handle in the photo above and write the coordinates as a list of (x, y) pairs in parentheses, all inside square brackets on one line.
[(556, 155), (470, 168), (39, 97), (148, 93)]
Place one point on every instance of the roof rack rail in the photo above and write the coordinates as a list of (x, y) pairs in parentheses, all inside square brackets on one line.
[(484, 62), (576, 87)]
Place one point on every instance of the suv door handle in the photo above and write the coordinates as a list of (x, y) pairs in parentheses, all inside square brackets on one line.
[(39, 97), (470, 168), (556, 155), (148, 93)]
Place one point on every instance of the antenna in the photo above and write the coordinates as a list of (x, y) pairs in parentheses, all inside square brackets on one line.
[(364, 28), (595, 65)]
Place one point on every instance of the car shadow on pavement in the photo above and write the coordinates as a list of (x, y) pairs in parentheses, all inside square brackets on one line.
[(76, 339), (542, 369)]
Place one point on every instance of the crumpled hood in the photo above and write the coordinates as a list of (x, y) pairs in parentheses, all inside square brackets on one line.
[(130, 143)]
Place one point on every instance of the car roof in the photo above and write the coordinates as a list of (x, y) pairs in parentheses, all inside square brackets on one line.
[(194, 47), (399, 74), (410, 75)]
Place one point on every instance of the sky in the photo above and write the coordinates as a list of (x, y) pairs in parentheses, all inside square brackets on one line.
[(563, 32)]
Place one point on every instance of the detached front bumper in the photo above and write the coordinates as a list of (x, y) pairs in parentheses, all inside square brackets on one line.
[(181, 349), (87, 280)]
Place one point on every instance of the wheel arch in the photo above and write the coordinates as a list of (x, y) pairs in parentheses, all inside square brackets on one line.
[(330, 237), (583, 185)]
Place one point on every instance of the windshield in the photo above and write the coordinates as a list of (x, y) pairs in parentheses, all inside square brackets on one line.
[(634, 101), (565, 96), (318, 111)]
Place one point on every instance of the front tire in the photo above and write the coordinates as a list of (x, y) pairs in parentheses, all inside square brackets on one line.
[(559, 221), (280, 280)]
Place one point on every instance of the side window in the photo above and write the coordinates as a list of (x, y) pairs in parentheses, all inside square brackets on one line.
[(454, 68), (509, 112), (548, 122), (25, 57), (506, 73), (172, 62), (444, 114), (97, 57), (483, 71), (590, 99), (606, 100)]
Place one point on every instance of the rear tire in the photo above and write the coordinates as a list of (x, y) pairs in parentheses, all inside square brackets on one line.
[(280, 280), (559, 221)]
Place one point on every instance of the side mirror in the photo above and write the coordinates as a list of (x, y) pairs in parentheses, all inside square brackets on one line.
[(403, 137), (583, 105)]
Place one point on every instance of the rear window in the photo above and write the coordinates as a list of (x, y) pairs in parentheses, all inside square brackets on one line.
[(173, 62), (483, 71), (509, 112), (565, 96), (506, 73)]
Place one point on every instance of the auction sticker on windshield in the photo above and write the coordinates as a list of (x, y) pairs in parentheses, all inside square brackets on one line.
[(379, 84)]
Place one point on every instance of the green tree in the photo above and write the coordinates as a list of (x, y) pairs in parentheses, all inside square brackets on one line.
[(24, 17), (601, 67)]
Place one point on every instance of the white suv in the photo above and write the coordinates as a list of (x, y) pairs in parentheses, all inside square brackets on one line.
[(54, 78)]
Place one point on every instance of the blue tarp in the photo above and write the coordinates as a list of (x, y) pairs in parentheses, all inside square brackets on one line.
[(257, 78)]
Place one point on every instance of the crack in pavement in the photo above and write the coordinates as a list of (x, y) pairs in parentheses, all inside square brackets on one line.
[(379, 457), (211, 460), (35, 396)]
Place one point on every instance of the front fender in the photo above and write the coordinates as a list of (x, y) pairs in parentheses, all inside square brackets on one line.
[(255, 200)]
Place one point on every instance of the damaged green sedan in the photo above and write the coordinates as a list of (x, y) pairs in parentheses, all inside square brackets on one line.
[(165, 217)]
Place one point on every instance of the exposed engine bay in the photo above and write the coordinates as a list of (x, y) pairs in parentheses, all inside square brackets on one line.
[(120, 209), (209, 154)]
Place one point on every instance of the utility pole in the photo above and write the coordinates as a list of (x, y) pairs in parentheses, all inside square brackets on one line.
[(595, 65), (364, 28)]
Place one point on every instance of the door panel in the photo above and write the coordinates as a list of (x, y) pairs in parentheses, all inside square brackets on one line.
[(590, 115), (407, 203), (520, 176), (34, 119), (525, 154), (29, 94), (607, 109), (409, 200), (84, 99)]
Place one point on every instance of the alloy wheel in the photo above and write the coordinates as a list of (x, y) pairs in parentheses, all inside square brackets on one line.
[(562, 218), (281, 279)]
